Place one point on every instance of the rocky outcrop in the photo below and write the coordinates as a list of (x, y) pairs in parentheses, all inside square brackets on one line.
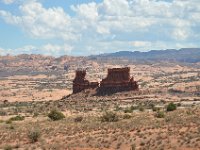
[(118, 79), (80, 83)]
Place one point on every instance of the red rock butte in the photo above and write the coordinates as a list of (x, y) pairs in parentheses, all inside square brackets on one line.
[(118, 79)]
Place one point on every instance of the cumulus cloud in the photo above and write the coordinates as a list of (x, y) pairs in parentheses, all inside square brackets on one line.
[(8, 1), (111, 24), (87, 11), (39, 22), (48, 49), (52, 49)]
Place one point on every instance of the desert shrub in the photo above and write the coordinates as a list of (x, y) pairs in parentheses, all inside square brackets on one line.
[(160, 114), (56, 115), (128, 110), (189, 112), (8, 147), (8, 121), (171, 107), (109, 117), (134, 107), (2, 113), (17, 118), (78, 119), (142, 143), (168, 119), (155, 108), (126, 116), (34, 135), (117, 108), (141, 108), (11, 127), (35, 114), (133, 147)]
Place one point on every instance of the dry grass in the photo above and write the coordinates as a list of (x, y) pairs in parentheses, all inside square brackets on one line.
[(141, 129), (138, 126)]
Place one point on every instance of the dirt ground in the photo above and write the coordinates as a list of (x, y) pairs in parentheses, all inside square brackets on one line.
[(143, 121), (152, 77)]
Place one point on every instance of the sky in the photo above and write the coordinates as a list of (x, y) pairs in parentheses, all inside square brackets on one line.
[(88, 27)]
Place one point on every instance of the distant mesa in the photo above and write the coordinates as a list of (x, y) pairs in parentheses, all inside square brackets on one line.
[(185, 55), (118, 79)]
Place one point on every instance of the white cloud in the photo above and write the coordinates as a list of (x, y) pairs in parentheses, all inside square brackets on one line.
[(39, 22), (2, 52), (52, 49), (87, 11), (110, 24), (115, 7), (180, 34), (48, 49), (8, 1), (141, 44)]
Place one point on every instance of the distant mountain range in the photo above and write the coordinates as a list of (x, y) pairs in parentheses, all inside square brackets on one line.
[(190, 55)]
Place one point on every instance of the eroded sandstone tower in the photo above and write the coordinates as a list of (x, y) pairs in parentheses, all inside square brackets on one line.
[(80, 83), (118, 79)]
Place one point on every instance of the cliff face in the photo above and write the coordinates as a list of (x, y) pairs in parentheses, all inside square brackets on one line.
[(118, 79), (116, 75), (80, 83)]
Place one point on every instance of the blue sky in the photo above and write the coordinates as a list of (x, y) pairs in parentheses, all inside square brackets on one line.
[(74, 27)]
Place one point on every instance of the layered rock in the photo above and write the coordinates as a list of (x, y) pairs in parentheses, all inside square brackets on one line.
[(118, 79), (80, 83)]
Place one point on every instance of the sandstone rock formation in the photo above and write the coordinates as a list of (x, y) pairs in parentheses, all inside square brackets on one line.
[(80, 83), (118, 79)]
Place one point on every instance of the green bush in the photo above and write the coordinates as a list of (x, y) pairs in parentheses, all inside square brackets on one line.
[(109, 117), (160, 114), (171, 107), (17, 118), (34, 136), (56, 115)]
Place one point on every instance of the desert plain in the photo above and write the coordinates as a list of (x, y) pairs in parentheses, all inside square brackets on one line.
[(125, 120)]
